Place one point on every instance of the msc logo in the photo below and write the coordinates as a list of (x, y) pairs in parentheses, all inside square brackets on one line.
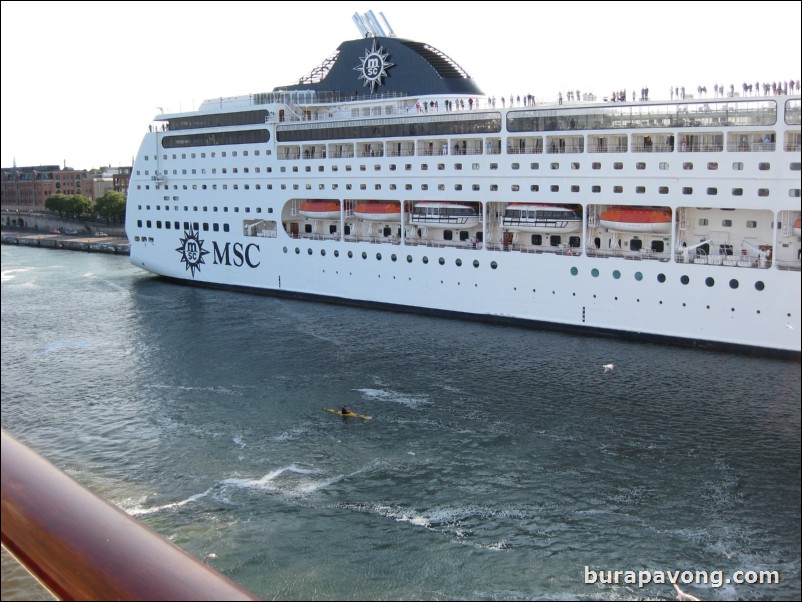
[(192, 251), (373, 66), (237, 254)]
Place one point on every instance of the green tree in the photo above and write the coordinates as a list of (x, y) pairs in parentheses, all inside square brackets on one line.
[(57, 202), (78, 205), (111, 207)]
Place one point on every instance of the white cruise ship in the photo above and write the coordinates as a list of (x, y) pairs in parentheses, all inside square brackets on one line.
[(386, 178)]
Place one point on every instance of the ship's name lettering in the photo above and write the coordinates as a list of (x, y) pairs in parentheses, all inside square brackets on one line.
[(238, 256)]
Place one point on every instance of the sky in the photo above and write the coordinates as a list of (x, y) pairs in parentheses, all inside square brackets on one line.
[(81, 81)]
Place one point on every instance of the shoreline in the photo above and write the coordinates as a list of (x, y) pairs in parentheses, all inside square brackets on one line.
[(89, 244)]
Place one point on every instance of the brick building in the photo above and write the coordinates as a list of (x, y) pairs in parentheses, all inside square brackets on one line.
[(26, 188)]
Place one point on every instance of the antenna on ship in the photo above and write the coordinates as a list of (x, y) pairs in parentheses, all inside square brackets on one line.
[(360, 24), (375, 28), (387, 24), (369, 25)]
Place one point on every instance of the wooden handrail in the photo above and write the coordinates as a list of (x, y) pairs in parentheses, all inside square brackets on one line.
[(81, 547)]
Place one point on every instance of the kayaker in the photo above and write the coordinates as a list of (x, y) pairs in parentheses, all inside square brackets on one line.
[(345, 410)]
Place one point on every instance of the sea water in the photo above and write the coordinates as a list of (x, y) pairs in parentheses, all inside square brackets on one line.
[(499, 463)]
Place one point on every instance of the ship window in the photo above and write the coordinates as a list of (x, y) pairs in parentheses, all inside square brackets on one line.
[(537, 239), (295, 169), (308, 228), (712, 166), (640, 189), (494, 166), (408, 187), (687, 190), (575, 165), (458, 166), (596, 188), (737, 192), (737, 166), (640, 165), (712, 191), (364, 255), (457, 186), (222, 154), (574, 188), (363, 187), (392, 186), (515, 187), (440, 186), (727, 223), (424, 187), (362, 168), (684, 279), (475, 166), (308, 168), (762, 192), (796, 166), (555, 166), (595, 165), (442, 261), (535, 188), (663, 165), (618, 165), (555, 188), (441, 166), (425, 259), (764, 166), (687, 166), (618, 189), (493, 265), (794, 193), (516, 165), (476, 187), (424, 166), (733, 284), (409, 258), (139, 223), (663, 190), (493, 187), (408, 166), (750, 223)]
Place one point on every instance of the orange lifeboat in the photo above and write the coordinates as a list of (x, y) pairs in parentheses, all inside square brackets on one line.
[(320, 209), (654, 220), (798, 226), (376, 211)]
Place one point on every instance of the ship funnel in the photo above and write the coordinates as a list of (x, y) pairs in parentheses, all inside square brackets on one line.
[(369, 25)]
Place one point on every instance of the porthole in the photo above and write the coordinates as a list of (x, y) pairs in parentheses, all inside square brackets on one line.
[(684, 280), (350, 254), (638, 276), (574, 271), (323, 252), (458, 262), (378, 256), (594, 272), (309, 251), (493, 265), (616, 274), (409, 258), (441, 261), (285, 250), (364, 255), (476, 263), (425, 259), (733, 283), (710, 281), (297, 251), (336, 253), (759, 285), (393, 257)]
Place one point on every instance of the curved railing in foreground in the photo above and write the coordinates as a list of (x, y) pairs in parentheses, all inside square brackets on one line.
[(81, 547)]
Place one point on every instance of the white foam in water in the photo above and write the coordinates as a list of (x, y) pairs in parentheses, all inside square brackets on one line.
[(412, 401), (7, 275), (140, 511), (295, 481)]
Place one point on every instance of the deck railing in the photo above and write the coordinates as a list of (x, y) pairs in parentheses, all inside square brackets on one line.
[(81, 547)]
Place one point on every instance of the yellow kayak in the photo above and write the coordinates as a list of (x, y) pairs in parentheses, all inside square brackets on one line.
[(348, 415)]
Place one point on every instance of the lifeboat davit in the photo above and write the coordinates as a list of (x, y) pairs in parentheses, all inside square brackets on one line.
[(443, 214), (542, 219), (640, 219), (320, 209), (375, 211), (798, 226)]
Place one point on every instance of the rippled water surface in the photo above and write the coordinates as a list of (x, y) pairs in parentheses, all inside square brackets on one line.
[(498, 464)]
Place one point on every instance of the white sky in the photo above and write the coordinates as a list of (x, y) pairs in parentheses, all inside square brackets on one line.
[(81, 81)]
